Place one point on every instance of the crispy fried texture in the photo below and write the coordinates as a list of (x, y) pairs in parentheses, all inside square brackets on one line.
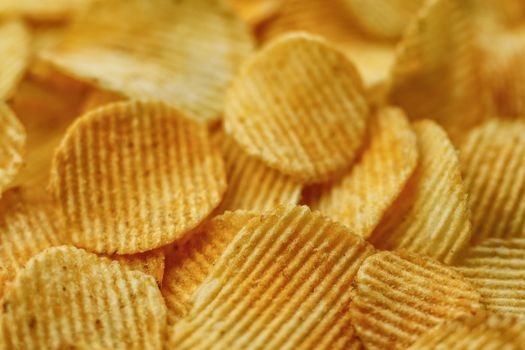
[(151, 263)]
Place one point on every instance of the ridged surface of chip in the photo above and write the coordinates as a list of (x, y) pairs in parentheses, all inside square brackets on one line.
[(151, 263), (12, 146)]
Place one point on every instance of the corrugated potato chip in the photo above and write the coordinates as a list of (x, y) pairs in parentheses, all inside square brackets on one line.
[(431, 216), (361, 197), (182, 52), (493, 165), (66, 295), (151, 263), (401, 296), (12, 146), (134, 176), (480, 332), (191, 262), (284, 282), (28, 225), (497, 268), (437, 70), (15, 43), (251, 184), (282, 109)]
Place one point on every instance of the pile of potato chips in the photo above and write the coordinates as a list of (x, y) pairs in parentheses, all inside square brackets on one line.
[(262, 174)]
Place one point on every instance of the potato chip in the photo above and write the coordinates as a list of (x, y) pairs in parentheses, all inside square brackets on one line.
[(191, 262), (497, 268), (254, 12), (97, 98), (437, 70), (283, 282), (361, 197), (151, 263), (12, 146), (67, 296), (401, 296), (134, 176), (431, 216), (43, 10), (251, 184), (493, 165), (281, 109), (14, 55), (28, 225), (182, 52), (480, 332), (385, 18)]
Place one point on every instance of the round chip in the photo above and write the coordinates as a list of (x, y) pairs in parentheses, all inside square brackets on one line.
[(12, 146), (480, 332), (251, 184), (14, 55), (283, 282), (134, 176), (361, 197), (431, 216), (299, 106), (184, 53), (401, 296), (497, 268), (68, 296), (493, 165)]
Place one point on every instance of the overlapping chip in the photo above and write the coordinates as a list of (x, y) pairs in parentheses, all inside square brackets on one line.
[(436, 74), (66, 296), (481, 332), (12, 146), (361, 197), (151, 263), (14, 55), (282, 110), (251, 184), (182, 52), (497, 268), (133, 176), (254, 12), (284, 281), (401, 296), (431, 216), (493, 165)]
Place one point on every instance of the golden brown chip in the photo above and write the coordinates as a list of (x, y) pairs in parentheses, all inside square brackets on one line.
[(45, 10), (182, 52), (254, 12), (493, 165), (14, 55), (431, 216), (191, 262), (67, 296), (151, 263), (480, 332), (134, 176), (283, 282), (384, 18), (400, 296), (497, 268), (361, 197), (437, 70), (28, 225), (98, 98), (282, 109), (251, 184), (12, 146)]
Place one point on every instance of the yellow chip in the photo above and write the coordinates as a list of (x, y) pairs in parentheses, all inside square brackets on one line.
[(361, 197), (431, 216), (480, 332), (28, 225), (67, 296), (401, 296), (497, 268), (14, 55), (385, 18), (46, 10), (182, 52), (190, 263), (134, 176), (151, 263), (493, 165), (282, 109), (284, 282), (251, 184), (437, 70), (12, 146)]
